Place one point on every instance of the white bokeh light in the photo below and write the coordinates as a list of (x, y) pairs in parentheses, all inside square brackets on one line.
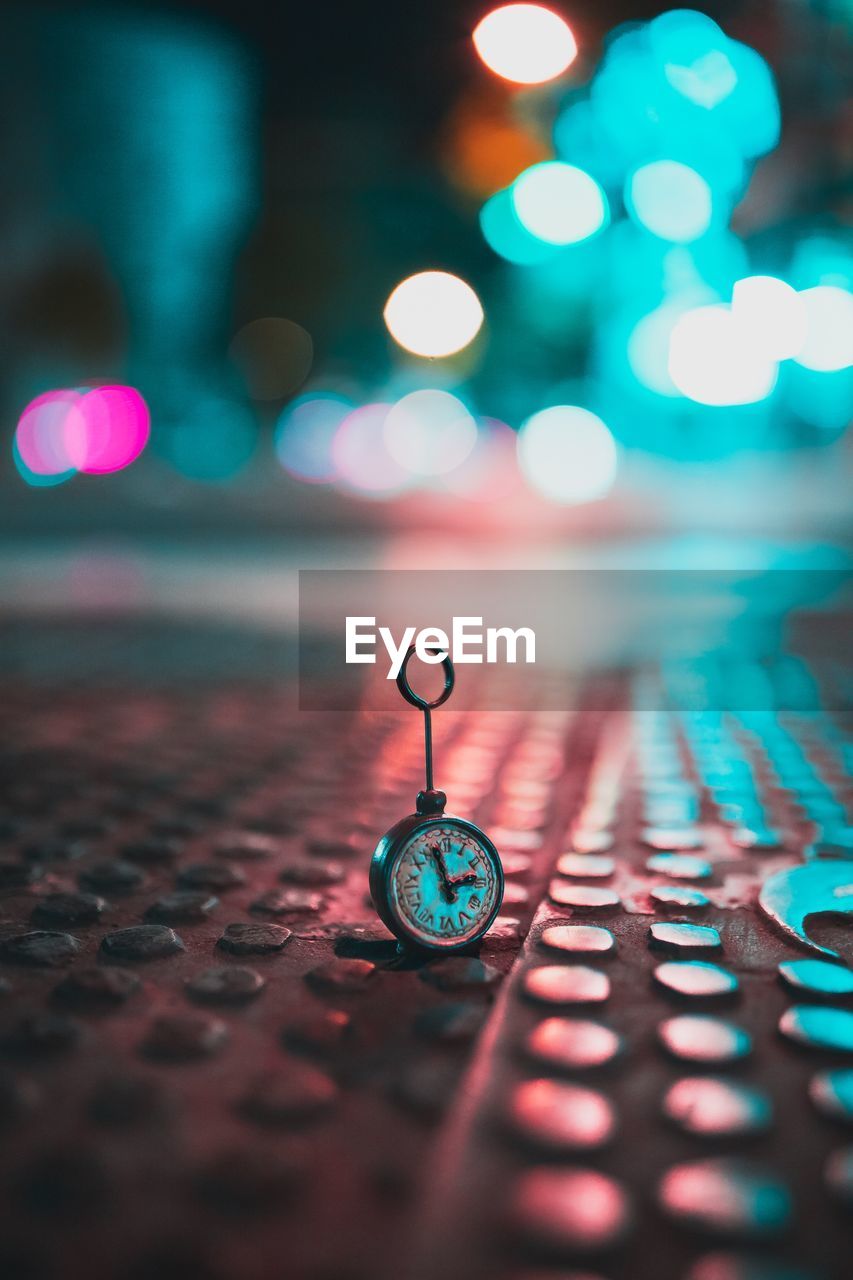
[(433, 314), (525, 43), (828, 344), (567, 454), (362, 462), (771, 314), (559, 203), (711, 363), (429, 432)]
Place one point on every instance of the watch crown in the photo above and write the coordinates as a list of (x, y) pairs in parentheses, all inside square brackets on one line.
[(431, 801)]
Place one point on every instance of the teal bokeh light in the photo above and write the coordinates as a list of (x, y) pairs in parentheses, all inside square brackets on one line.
[(505, 234), (305, 431), (671, 200), (213, 442)]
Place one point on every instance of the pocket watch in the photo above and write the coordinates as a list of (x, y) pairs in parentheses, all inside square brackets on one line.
[(436, 880)]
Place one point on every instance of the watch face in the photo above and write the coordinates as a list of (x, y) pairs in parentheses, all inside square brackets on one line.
[(445, 884)]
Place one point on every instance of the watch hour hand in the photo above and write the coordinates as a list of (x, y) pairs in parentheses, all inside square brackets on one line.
[(468, 878)]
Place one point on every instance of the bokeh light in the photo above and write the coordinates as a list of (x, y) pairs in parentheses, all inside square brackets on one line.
[(484, 148), (525, 43), (97, 430), (771, 314), (362, 461), (710, 362), (671, 200), (433, 314), (828, 343), (648, 348), (693, 52), (305, 433), (274, 356), (108, 428), (213, 442), (559, 203), (40, 443), (568, 454), (429, 432), (505, 234)]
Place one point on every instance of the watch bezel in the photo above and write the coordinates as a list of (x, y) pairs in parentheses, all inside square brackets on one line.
[(381, 869)]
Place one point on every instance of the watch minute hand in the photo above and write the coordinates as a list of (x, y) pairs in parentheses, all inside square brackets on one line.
[(446, 884)]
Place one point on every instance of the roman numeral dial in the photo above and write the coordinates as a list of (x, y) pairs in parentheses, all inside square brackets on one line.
[(445, 883)]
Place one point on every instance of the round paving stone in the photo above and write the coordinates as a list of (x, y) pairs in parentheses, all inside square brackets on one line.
[(697, 1038), (572, 1044), (671, 838), (313, 874), (39, 1034), (726, 1196), (18, 1096), (218, 876), (582, 897), (226, 984), (17, 875), (141, 942), (111, 877), (566, 984), (318, 1033), (761, 839), (560, 1117), (683, 939), (55, 851), (343, 975), (455, 973), (68, 908), (181, 1037), (253, 939), (452, 1023), (680, 866), (838, 1175), (710, 1108), (40, 948), (184, 906), (292, 1095), (816, 1027), (817, 977), (679, 897), (516, 864), (569, 1210), (245, 1182), (427, 1086), (515, 895), (586, 866), (282, 902), (156, 849), (97, 988), (123, 1101), (582, 939), (832, 1094), (695, 979), (247, 846), (589, 840), (68, 1183)]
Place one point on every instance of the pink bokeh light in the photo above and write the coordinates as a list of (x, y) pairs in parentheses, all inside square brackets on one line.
[(97, 431), (109, 431), (42, 430)]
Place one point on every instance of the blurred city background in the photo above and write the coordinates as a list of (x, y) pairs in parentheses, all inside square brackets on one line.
[(503, 275)]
